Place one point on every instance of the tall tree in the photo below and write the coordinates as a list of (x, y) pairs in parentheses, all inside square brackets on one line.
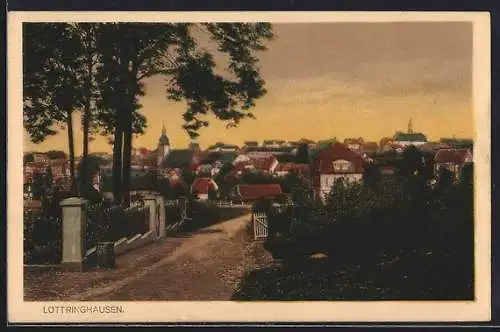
[(90, 60), (51, 91), (135, 51), (49, 178), (384, 141), (28, 158), (412, 162), (303, 154), (467, 175), (37, 187)]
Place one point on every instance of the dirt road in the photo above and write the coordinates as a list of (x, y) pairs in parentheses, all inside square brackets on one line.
[(204, 265)]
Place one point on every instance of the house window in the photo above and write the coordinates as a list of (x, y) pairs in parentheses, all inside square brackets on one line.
[(342, 166)]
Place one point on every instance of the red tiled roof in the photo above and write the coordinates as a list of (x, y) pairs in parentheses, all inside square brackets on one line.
[(202, 157), (323, 161), (37, 164), (58, 162), (202, 185), (144, 151), (396, 146), (241, 166), (255, 191), (263, 163), (456, 156), (353, 141), (370, 146), (293, 167)]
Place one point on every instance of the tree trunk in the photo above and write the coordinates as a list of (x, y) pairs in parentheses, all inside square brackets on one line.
[(85, 178), (84, 166), (127, 154), (127, 151), (117, 163), (71, 145), (129, 108)]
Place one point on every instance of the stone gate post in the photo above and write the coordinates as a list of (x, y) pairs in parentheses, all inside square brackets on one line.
[(74, 224), (160, 203), (150, 202)]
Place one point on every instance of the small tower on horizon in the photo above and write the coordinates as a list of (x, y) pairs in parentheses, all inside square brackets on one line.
[(410, 127), (194, 145), (163, 146)]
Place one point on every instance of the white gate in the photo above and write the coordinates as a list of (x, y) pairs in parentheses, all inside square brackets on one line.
[(259, 225)]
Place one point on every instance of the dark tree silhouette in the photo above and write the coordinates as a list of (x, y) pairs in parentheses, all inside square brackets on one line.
[(467, 175), (49, 178), (372, 175), (411, 162), (37, 187), (51, 89), (55, 154), (102, 66), (303, 154), (212, 193), (89, 62), (133, 52), (28, 158), (92, 165)]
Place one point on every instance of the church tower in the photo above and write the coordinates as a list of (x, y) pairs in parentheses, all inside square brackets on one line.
[(163, 146)]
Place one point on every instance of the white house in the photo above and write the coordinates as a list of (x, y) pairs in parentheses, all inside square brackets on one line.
[(333, 163)]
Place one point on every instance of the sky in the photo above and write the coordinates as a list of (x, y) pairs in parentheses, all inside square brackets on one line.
[(338, 80)]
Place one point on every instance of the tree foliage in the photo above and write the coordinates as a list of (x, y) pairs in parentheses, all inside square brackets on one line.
[(56, 154), (212, 193), (51, 86), (101, 68), (28, 158), (397, 217), (303, 154)]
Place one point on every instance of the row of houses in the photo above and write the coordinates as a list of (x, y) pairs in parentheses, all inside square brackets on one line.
[(59, 170), (326, 161), (330, 164)]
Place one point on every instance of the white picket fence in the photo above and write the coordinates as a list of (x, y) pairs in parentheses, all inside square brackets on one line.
[(230, 204), (260, 227), (172, 202)]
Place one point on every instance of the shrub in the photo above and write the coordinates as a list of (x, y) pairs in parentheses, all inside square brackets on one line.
[(264, 205), (42, 239), (396, 216), (43, 231)]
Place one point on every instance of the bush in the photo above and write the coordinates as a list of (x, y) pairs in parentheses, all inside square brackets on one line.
[(264, 205), (42, 239), (43, 231), (358, 225)]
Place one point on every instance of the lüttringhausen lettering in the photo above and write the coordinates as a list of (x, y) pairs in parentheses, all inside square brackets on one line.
[(83, 309)]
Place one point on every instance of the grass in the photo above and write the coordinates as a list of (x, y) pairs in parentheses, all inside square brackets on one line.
[(404, 277)]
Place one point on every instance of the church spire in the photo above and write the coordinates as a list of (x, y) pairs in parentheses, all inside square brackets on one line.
[(164, 138), (410, 127)]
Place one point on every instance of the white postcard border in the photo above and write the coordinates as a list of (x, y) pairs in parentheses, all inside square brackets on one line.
[(20, 311)]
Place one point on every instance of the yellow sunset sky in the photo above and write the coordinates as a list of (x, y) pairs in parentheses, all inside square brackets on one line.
[(335, 80)]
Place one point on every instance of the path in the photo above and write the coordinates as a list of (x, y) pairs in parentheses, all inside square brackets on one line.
[(204, 265)]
